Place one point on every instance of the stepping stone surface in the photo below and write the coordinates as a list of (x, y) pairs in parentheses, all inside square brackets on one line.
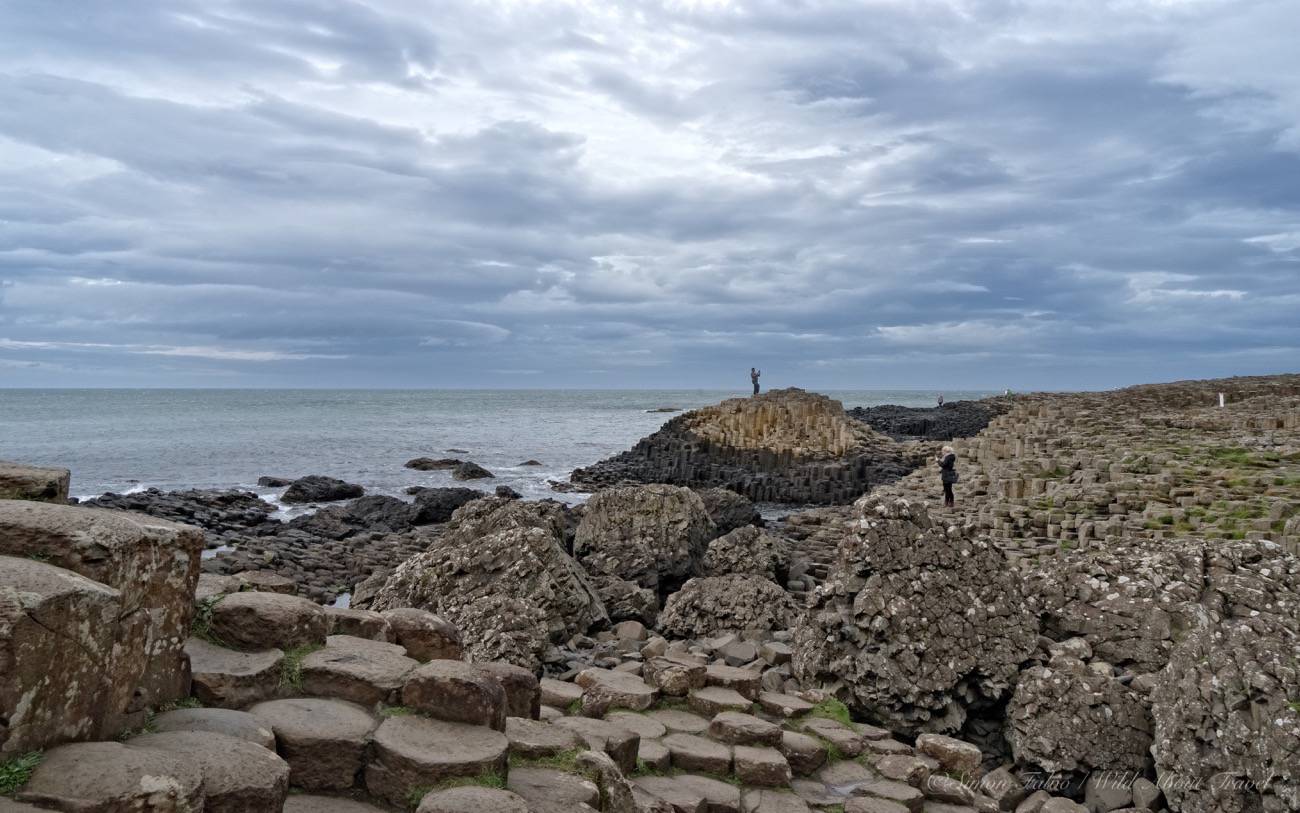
[(472, 800), (551, 791), (110, 776), (679, 721), (559, 693), (533, 739), (356, 669), (624, 690), (257, 621), (229, 679), (739, 728), (304, 803), (745, 681), (784, 705), (804, 752), (523, 693), (238, 724), (411, 752), (601, 735), (425, 636), (761, 766), (713, 700), (366, 624), (774, 801), (643, 725), (238, 776), (457, 692), (693, 753), (324, 741)]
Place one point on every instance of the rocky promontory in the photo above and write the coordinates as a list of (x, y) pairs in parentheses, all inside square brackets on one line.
[(784, 446)]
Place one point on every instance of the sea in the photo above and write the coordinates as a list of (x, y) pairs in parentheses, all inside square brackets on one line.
[(129, 440)]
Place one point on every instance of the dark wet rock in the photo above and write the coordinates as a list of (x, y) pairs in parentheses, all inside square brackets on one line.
[(507, 493), (316, 488), (531, 463), (438, 504), (217, 512), (433, 464), (956, 419), (875, 623), (470, 471), (785, 446), (274, 482), (374, 513)]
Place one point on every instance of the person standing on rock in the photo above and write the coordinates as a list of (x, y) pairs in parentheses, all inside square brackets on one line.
[(753, 377), (947, 461)]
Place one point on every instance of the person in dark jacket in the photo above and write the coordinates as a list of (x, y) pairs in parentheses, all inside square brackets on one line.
[(754, 373), (947, 460)]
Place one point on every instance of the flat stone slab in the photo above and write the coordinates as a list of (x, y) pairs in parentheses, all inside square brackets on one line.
[(745, 681), (643, 725), (231, 723), (681, 796), (678, 721), (954, 755), (473, 800), (253, 621), (623, 689), (713, 700), (655, 755), (412, 752), (694, 753), (230, 679), (600, 735), (357, 669), (427, 637), (899, 793), (21, 482), (804, 752), (533, 739), (774, 801), (849, 742), (324, 741), (307, 803), (868, 804), (559, 693), (783, 705), (738, 728), (551, 791), (237, 775), (457, 692), (99, 777), (721, 797)]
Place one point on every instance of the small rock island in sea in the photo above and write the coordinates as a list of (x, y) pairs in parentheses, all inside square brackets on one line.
[(1107, 620)]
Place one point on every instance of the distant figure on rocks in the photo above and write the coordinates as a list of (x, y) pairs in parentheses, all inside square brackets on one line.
[(940, 399), (753, 376), (947, 460)]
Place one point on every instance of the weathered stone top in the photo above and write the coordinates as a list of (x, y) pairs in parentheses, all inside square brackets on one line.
[(792, 420), (21, 482)]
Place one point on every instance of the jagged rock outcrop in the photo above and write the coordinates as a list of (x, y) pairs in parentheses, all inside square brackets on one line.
[(501, 575), (919, 624), (714, 604), (1064, 717), (785, 446), (729, 510), (625, 600), (21, 482), (1227, 706), (955, 419), (746, 550), (654, 536)]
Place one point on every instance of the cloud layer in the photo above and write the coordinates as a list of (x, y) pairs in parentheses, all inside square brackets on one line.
[(955, 193)]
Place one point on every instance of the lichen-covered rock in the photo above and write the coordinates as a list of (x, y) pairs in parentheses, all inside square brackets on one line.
[(1227, 727), (715, 604), (746, 550), (57, 631), (652, 535), (152, 564), (920, 624), (500, 572), (1072, 719), (729, 510)]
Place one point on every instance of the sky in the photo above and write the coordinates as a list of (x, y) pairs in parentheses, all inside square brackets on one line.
[(1047, 194)]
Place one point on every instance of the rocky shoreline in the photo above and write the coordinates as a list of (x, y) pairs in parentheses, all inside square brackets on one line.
[(1108, 620)]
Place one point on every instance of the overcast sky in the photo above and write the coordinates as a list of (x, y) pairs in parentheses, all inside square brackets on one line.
[(974, 193)]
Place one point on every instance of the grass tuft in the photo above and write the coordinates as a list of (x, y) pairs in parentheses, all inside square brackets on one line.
[(201, 624), (487, 779), (291, 668), (832, 709), (562, 761), (15, 772)]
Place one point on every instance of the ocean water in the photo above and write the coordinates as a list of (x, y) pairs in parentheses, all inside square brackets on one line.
[(129, 440)]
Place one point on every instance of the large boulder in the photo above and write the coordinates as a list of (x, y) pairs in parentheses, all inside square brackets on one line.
[(1227, 723), (918, 623), (500, 574), (315, 488), (438, 504), (19, 482), (1068, 718), (57, 632), (729, 510), (151, 563), (716, 604), (376, 512), (652, 535), (746, 550)]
